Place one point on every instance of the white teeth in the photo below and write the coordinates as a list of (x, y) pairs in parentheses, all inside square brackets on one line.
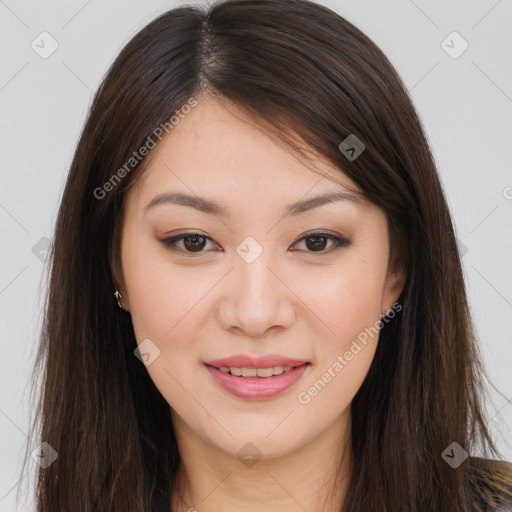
[(265, 372), (253, 372), (249, 372)]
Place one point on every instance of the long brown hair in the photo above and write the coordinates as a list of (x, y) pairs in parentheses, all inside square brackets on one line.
[(297, 68)]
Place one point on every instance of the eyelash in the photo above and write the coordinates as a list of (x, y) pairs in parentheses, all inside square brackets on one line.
[(338, 242)]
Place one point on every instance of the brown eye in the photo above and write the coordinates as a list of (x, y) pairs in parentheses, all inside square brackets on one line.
[(192, 243), (317, 242)]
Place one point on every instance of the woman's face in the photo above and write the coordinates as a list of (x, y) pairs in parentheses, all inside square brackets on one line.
[(254, 282)]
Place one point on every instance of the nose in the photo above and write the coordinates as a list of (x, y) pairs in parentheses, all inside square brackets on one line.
[(256, 298)]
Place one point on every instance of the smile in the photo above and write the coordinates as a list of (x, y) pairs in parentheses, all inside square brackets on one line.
[(256, 383)]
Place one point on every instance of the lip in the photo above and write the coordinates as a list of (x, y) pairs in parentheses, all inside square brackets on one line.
[(257, 388), (245, 361)]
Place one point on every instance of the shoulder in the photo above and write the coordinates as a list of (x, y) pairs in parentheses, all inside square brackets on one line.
[(491, 484)]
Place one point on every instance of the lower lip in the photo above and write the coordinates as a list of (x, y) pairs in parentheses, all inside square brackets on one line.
[(257, 388)]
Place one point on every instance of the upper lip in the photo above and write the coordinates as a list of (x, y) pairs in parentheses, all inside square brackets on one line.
[(245, 361)]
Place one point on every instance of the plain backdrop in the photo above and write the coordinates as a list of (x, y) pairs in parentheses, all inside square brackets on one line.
[(461, 85)]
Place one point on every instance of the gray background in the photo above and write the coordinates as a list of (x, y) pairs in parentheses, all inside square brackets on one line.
[(465, 104)]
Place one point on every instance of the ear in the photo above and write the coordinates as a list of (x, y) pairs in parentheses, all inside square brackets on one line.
[(124, 299), (393, 284), (119, 284)]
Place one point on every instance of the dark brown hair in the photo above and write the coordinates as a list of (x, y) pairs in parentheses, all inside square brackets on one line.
[(296, 68)]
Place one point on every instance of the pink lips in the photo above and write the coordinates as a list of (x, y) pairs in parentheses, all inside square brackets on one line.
[(256, 388)]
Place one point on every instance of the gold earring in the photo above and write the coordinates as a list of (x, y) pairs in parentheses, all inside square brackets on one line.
[(118, 296)]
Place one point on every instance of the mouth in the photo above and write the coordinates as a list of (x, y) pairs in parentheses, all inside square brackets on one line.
[(264, 373), (242, 361), (256, 378)]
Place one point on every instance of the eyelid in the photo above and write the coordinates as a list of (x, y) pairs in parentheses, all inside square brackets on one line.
[(339, 242)]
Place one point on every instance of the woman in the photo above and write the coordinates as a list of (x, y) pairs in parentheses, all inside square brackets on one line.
[(256, 298)]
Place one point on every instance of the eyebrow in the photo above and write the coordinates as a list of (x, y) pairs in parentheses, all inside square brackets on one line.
[(211, 207)]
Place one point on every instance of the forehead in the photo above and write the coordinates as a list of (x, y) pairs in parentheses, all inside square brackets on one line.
[(218, 150)]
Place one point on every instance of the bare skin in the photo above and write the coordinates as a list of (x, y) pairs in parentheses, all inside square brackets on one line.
[(301, 297)]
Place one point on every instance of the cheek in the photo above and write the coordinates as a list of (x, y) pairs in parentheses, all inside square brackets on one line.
[(333, 387), (345, 300), (347, 307), (160, 293), (165, 305)]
